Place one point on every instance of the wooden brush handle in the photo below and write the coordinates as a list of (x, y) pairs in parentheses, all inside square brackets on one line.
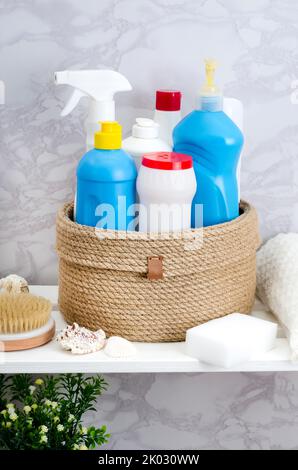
[(28, 343)]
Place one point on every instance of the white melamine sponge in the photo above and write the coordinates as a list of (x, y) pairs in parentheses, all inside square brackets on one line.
[(230, 340)]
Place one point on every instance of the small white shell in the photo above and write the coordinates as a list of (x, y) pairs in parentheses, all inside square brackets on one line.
[(80, 340), (14, 284), (119, 347)]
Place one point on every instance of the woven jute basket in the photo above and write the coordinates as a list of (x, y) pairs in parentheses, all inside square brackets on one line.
[(104, 283)]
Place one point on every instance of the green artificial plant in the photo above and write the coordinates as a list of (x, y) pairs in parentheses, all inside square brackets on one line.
[(47, 413)]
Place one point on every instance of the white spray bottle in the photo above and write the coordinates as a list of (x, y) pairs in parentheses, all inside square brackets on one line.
[(98, 85)]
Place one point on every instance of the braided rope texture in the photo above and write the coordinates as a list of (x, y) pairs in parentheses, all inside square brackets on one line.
[(208, 273)]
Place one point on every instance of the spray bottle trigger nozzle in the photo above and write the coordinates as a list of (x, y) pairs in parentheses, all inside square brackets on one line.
[(72, 102)]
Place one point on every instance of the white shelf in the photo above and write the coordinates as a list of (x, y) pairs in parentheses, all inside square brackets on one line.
[(159, 357)]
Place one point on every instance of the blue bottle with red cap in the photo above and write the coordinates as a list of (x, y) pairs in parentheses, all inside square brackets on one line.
[(215, 143)]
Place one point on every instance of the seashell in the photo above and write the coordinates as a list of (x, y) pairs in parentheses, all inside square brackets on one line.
[(14, 284), (80, 340), (119, 347)]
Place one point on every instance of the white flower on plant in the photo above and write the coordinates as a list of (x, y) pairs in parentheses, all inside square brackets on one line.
[(10, 406), (34, 406), (43, 439), (43, 429), (32, 389), (27, 409), (13, 416), (56, 419), (60, 427), (48, 402), (71, 418), (83, 447), (84, 430), (54, 405), (76, 447), (4, 412), (8, 424)]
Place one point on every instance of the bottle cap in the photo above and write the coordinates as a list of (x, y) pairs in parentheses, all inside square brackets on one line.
[(210, 98), (168, 100), (109, 137), (145, 129), (167, 161)]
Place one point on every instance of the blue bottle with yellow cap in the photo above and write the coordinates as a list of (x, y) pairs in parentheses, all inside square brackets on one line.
[(106, 182)]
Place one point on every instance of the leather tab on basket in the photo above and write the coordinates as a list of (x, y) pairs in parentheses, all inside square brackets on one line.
[(155, 268)]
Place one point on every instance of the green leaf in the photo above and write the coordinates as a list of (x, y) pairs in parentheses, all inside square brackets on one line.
[(74, 393)]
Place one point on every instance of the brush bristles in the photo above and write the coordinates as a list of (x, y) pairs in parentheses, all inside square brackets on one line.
[(23, 312)]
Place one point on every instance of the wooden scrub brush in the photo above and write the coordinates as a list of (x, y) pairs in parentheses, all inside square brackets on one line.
[(25, 321)]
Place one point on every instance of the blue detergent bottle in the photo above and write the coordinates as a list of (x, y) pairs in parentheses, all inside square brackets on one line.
[(106, 182), (215, 143)]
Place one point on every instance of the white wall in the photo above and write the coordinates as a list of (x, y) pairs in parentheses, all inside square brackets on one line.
[(155, 43)]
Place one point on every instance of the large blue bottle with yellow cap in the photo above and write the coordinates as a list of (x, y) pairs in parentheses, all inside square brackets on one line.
[(106, 183), (215, 143)]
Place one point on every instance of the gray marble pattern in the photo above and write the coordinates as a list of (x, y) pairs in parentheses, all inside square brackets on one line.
[(201, 411), (156, 44)]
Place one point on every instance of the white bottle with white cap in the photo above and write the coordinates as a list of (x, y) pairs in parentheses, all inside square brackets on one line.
[(144, 139), (234, 109)]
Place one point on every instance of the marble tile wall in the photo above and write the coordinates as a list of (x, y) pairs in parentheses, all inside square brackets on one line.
[(155, 43), (201, 411)]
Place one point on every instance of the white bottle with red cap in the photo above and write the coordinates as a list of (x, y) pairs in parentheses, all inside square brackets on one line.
[(144, 139), (167, 113), (166, 185)]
